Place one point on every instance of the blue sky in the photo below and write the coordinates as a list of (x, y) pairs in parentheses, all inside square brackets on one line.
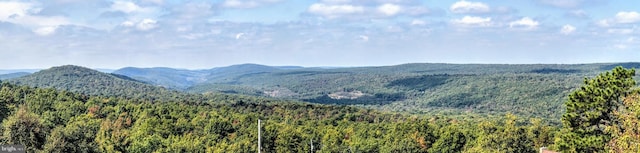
[(197, 34)]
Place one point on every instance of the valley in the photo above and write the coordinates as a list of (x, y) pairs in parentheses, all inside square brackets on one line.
[(535, 90), (402, 108)]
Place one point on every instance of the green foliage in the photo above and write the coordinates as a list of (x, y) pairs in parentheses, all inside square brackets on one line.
[(13, 75), (76, 136), (91, 82), (112, 135), (25, 128), (525, 90), (377, 99), (421, 83), (4, 110), (450, 139), (590, 110), (626, 134), (223, 123), (508, 136)]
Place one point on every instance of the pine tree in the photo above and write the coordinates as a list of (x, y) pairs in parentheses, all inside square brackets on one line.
[(590, 111)]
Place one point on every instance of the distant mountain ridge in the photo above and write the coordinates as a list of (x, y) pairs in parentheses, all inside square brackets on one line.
[(166, 77), (525, 89), (88, 81), (414, 87), (182, 79), (13, 75), (8, 71)]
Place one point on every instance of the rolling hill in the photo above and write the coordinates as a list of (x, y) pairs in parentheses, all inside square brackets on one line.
[(465, 105), (13, 75), (182, 79), (525, 89), (535, 90), (7, 71), (166, 77), (91, 82)]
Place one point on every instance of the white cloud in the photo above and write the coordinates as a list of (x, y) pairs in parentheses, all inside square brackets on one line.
[(603, 23), (469, 7), (239, 35), (628, 43), (417, 22), (24, 13), (244, 4), (631, 39), (366, 10), (389, 9), (364, 38), (157, 2), (188, 14), (193, 36), (333, 11), (143, 25), (563, 3), (627, 17), (11, 8), (620, 31), (126, 7), (567, 29), (620, 46), (578, 14), (620, 18), (45, 31), (473, 21), (525, 23), (135, 12), (39, 21), (417, 10), (187, 27), (147, 24), (128, 23), (335, 1)]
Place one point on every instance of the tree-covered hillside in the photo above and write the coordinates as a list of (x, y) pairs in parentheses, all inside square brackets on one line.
[(13, 75), (91, 82), (46, 120), (166, 77), (600, 116), (182, 79), (536, 90), (527, 89)]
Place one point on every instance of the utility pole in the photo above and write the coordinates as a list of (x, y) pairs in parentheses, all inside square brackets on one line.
[(259, 144), (311, 145)]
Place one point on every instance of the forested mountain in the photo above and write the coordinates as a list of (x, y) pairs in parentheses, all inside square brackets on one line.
[(47, 120), (536, 90), (182, 79), (13, 75), (524, 89), (235, 71), (528, 89), (91, 82), (166, 77), (7, 71)]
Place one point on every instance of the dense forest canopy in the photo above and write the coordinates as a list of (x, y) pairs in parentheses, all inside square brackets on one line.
[(67, 122), (531, 90), (127, 115)]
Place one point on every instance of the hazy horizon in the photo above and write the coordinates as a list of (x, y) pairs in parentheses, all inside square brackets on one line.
[(12, 70), (112, 34)]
